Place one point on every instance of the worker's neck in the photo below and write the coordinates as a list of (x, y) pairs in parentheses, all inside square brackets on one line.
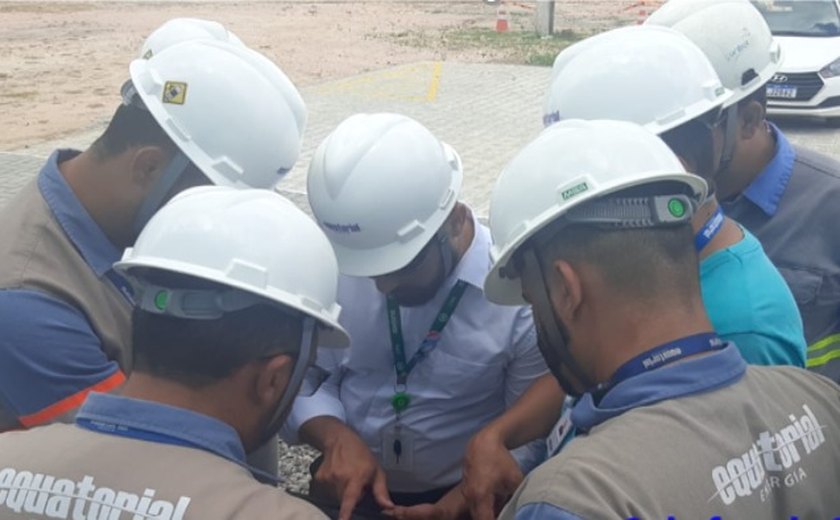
[(207, 401), (638, 331), (87, 175)]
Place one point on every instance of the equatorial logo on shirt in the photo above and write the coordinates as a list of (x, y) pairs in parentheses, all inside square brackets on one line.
[(53, 497), (773, 461)]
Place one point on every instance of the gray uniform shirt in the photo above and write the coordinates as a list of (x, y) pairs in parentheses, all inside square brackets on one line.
[(764, 447), (793, 208), (133, 459)]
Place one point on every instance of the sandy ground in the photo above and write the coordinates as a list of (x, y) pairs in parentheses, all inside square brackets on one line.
[(62, 62)]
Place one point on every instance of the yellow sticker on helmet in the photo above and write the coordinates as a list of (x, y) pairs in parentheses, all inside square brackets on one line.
[(175, 92)]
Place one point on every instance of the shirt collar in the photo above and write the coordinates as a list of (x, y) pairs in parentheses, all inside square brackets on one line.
[(88, 238), (767, 189), (692, 376), (162, 423), (475, 264)]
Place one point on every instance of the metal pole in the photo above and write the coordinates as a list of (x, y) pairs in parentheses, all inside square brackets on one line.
[(545, 17)]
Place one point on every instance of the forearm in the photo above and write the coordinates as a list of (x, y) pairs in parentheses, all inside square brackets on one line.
[(323, 431), (531, 416)]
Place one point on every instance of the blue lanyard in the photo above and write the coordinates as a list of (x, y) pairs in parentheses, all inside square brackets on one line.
[(665, 355), (121, 284), (121, 430), (403, 367), (709, 230)]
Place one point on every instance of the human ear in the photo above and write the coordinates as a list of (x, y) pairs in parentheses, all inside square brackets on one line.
[(147, 165), (566, 289), (272, 379), (750, 119)]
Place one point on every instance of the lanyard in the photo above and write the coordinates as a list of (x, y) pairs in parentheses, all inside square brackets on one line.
[(666, 354), (121, 430), (709, 230), (121, 285), (403, 367)]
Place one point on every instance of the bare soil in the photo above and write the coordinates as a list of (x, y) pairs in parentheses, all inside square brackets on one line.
[(62, 62)]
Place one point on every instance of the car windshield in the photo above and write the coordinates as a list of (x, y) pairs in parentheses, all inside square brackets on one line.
[(801, 17)]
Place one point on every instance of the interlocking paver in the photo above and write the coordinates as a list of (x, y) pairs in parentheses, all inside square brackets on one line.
[(487, 112)]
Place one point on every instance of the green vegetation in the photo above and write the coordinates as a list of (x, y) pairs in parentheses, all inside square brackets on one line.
[(513, 46)]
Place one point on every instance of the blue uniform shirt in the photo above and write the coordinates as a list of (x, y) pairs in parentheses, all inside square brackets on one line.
[(156, 422), (48, 341)]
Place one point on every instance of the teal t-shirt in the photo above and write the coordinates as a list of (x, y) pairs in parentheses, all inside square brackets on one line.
[(750, 304)]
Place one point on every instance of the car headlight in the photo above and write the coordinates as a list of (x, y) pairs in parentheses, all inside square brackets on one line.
[(831, 70)]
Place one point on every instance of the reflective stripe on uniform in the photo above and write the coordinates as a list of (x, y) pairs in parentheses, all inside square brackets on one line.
[(74, 401), (822, 359)]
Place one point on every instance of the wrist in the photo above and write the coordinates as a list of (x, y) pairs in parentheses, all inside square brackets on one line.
[(323, 432)]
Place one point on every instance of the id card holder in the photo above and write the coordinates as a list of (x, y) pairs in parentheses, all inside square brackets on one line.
[(560, 434), (398, 448)]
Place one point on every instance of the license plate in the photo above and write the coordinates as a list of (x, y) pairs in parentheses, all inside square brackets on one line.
[(781, 91)]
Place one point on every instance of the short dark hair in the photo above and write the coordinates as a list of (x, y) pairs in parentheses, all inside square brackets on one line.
[(131, 125), (639, 264), (692, 141), (201, 352)]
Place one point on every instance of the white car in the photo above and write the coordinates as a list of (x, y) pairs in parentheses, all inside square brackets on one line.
[(808, 31)]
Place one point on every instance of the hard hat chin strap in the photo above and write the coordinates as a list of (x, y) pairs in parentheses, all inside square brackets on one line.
[(730, 135), (304, 358), (160, 190), (552, 340)]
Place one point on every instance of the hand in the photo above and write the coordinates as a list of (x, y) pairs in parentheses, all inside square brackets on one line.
[(491, 475), (349, 468), (452, 506)]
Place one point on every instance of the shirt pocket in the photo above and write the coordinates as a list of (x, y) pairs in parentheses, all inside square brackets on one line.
[(470, 382)]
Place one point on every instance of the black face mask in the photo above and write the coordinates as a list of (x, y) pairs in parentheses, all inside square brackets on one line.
[(418, 295), (552, 335)]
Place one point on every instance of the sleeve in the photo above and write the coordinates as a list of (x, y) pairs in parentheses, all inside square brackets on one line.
[(758, 349), (325, 401), (50, 359), (526, 366), (544, 511), (526, 363)]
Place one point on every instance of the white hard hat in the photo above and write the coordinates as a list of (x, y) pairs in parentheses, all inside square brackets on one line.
[(732, 34), (568, 165), (228, 108), (381, 185), (178, 30), (255, 241), (652, 76)]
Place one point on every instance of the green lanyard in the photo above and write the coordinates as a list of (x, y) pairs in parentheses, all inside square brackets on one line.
[(400, 401)]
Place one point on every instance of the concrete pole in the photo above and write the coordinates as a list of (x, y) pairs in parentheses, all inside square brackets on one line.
[(545, 17)]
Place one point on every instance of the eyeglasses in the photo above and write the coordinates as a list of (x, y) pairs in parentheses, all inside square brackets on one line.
[(713, 119)]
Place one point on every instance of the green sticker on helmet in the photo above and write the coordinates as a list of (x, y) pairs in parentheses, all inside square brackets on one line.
[(676, 207), (575, 190), (162, 300)]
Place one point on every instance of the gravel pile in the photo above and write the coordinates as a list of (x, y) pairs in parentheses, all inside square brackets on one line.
[(294, 464)]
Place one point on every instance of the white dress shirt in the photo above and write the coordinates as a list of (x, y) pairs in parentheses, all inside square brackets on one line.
[(486, 358)]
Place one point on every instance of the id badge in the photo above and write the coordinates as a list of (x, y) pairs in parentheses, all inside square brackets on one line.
[(560, 434), (398, 448)]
